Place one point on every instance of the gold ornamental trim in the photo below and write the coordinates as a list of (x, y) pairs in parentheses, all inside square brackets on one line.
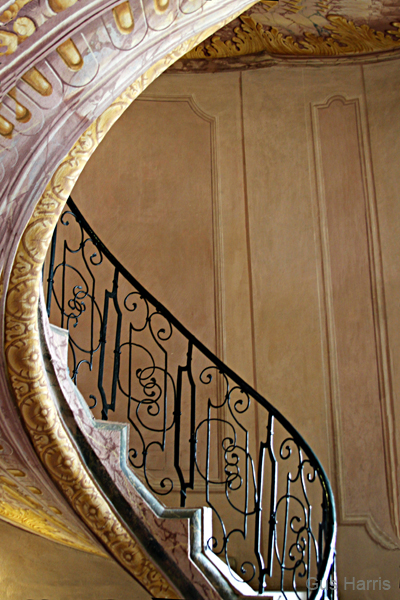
[(21, 505), (344, 38), (26, 370), (23, 353)]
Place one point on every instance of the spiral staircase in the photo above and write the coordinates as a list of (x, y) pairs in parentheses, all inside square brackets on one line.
[(137, 430), (176, 433)]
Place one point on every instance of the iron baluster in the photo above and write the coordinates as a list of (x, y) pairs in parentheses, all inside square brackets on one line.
[(50, 279), (171, 386), (258, 524)]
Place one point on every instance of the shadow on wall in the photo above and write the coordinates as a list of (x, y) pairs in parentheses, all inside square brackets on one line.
[(33, 567)]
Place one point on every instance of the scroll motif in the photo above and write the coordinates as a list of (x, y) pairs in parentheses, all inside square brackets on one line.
[(344, 37)]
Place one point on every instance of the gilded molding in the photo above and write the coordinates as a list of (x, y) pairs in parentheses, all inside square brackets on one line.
[(20, 504), (123, 17), (26, 371), (345, 38), (12, 11), (24, 361), (22, 29), (24, 26)]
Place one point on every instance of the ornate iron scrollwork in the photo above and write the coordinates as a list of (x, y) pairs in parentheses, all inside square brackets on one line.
[(193, 421)]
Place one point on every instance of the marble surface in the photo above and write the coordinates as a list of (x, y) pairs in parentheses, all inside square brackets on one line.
[(39, 123), (171, 529)]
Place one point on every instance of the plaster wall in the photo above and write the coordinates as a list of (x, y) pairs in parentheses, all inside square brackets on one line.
[(261, 208), (35, 568)]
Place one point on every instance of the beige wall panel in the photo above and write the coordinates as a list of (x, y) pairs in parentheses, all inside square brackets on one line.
[(220, 97), (361, 445), (180, 176), (361, 561), (283, 256), (153, 179), (382, 85)]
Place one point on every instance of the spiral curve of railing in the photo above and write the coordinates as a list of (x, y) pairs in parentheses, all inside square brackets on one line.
[(199, 434)]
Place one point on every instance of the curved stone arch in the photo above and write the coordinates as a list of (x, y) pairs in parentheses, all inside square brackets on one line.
[(26, 372), (26, 239)]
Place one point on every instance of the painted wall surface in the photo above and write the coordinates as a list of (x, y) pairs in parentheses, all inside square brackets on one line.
[(33, 567), (262, 209)]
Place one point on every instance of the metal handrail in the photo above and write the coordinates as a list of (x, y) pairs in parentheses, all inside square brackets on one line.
[(299, 546)]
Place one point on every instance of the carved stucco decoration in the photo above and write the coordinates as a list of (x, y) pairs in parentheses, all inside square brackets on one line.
[(26, 371), (25, 363), (21, 504), (27, 502), (300, 28), (23, 17), (47, 103)]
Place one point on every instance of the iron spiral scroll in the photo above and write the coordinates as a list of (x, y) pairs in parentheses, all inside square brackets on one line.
[(199, 434)]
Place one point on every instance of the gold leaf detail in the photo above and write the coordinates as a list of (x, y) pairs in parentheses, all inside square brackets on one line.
[(38, 82), (123, 18), (6, 128), (22, 114), (345, 38), (8, 40), (17, 472), (24, 27), (161, 6), (12, 11), (60, 5), (34, 489), (70, 55)]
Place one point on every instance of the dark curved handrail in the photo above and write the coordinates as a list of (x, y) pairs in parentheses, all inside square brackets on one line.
[(233, 399)]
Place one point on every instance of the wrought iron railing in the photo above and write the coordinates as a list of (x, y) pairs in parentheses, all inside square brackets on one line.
[(199, 434)]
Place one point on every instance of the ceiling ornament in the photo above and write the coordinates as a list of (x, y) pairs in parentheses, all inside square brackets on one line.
[(344, 38), (305, 28)]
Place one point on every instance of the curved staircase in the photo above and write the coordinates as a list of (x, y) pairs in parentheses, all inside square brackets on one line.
[(217, 487)]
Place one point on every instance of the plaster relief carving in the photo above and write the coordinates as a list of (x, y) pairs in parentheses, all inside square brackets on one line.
[(123, 17), (60, 5), (70, 55), (26, 373), (128, 27), (160, 14), (6, 128), (189, 6), (161, 5), (347, 200), (38, 82), (43, 87), (344, 38), (21, 505), (8, 42), (28, 118), (24, 27), (12, 11), (21, 112), (270, 32), (75, 62)]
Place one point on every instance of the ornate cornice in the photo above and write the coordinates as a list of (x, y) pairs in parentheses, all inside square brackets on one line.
[(345, 38)]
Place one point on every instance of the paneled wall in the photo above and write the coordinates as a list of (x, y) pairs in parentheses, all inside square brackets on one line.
[(262, 208)]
